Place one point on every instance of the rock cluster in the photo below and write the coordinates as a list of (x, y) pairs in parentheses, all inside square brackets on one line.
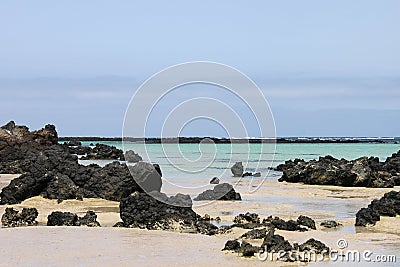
[(59, 218), (222, 191), (238, 171), (388, 205), (364, 172), (14, 218), (274, 243), (50, 170), (102, 151)]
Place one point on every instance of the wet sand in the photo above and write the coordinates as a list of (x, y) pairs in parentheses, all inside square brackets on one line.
[(62, 246)]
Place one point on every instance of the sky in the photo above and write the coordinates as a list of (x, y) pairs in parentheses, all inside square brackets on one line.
[(326, 68)]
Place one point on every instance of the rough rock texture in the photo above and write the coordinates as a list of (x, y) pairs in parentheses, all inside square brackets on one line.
[(364, 172), (314, 245), (246, 218), (131, 156), (330, 224), (237, 169), (388, 205), (255, 234), (50, 170), (102, 151), (276, 222), (14, 218), (220, 192), (275, 242), (306, 221), (158, 212), (244, 248), (58, 218), (233, 245)]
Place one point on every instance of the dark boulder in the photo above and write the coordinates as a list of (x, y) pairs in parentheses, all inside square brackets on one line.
[(248, 250), (157, 211), (255, 234), (131, 156), (276, 222), (14, 218), (59, 218), (206, 228), (330, 224), (102, 151), (214, 180), (237, 169), (146, 176), (388, 205), (314, 245), (306, 221), (273, 242), (246, 218), (364, 171), (223, 191), (232, 245)]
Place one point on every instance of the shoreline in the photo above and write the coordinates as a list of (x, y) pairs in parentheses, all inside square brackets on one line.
[(279, 140)]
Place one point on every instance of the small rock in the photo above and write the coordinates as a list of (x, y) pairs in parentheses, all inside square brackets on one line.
[(232, 245), (237, 169), (214, 180), (330, 224), (306, 221), (14, 218)]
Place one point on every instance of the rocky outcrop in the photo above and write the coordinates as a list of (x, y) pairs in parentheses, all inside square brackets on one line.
[(306, 221), (278, 223), (243, 248), (131, 156), (14, 218), (273, 242), (102, 151), (15, 133), (237, 169), (58, 218), (364, 172), (50, 170), (157, 211), (223, 191), (255, 234), (388, 205)]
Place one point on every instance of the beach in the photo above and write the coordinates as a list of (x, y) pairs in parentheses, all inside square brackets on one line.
[(63, 246)]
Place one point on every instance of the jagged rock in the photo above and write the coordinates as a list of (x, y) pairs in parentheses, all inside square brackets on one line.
[(388, 205), (58, 218), (14, 218), (248, 250), (330, 224), (214, 180), (131, 156), (232, 245), (206, 228), (158, 211), (90, 219), (102, 151), (247, 218), (273, 242), (147, 176), (220, 192), (314, 245), (306, 221), (237, 169), (276, 222), (255, 234), (364, 172)]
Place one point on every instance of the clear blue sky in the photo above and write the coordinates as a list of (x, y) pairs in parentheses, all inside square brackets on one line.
[(327, 68)]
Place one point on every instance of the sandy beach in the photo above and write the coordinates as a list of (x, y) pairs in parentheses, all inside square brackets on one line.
[(83, 246)]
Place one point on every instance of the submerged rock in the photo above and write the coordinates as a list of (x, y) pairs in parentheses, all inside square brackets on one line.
[(237, 169), (59, 218), (388, 205), (14, 218), (223, 191), (330, 224)]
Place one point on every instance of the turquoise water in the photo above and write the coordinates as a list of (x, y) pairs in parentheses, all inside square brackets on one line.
[(211, 159)]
